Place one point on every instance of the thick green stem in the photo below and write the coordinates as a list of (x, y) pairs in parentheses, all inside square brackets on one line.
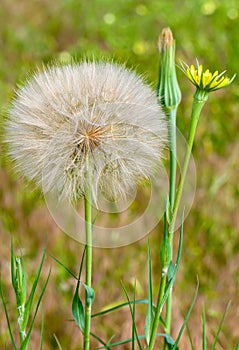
[(158, 309), (172, 185), (88, 229), (174, 200), (196, 110), (173, 155)]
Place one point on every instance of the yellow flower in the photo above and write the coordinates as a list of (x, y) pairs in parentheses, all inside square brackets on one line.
[(204, 79)]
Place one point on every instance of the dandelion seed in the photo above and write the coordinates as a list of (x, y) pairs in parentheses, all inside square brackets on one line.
[(89, 118)]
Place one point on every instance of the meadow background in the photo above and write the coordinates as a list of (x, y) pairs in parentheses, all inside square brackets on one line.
[(32, 32)]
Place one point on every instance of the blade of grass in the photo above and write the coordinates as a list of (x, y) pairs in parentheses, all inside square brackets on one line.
[(42, 331), (33, 290), (57, 341), (100, 341), (27, 339), (6, 314), (204, 329), (186, 318), (65, 267), (220, 326), (13, 276), (118, 306), (134, 331), (125, 341), (190, 338), (149, 315)]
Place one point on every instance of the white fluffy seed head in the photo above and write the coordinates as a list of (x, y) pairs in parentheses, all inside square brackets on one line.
[(94, 122)]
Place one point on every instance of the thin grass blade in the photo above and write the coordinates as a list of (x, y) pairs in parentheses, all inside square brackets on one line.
[(134, 331), (186, 318), (24, 345), (204, 329), (170, 341), (13, 276), (65, 267), (149, 315), (118, 306), (190, 338), (100, 341), (6, 314), (57, 341), (220, 326), (42, 331), (33, 290)]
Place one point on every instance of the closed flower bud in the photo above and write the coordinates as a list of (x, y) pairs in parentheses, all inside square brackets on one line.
[(168, 88)]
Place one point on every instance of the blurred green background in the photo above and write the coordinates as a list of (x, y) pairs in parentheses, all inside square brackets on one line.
[(32, 32)]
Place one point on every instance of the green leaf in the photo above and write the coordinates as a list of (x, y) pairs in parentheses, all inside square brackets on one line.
[(90, 294), (78, 310), (220, 326), (170, 272), (25, 343), (77, 305), (149, 315), (186, 318), (237, 347), (33, 290), (6, 314)]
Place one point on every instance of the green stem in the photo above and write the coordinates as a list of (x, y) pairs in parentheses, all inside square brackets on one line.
[(196, 110), (88, 229), (158, 310), (174, 200), (172, 186), (173, 155)]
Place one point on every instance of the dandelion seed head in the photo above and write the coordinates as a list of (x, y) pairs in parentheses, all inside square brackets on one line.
[(91, 118)]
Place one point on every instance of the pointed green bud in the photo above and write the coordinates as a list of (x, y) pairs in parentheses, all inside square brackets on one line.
[(168, 88)]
